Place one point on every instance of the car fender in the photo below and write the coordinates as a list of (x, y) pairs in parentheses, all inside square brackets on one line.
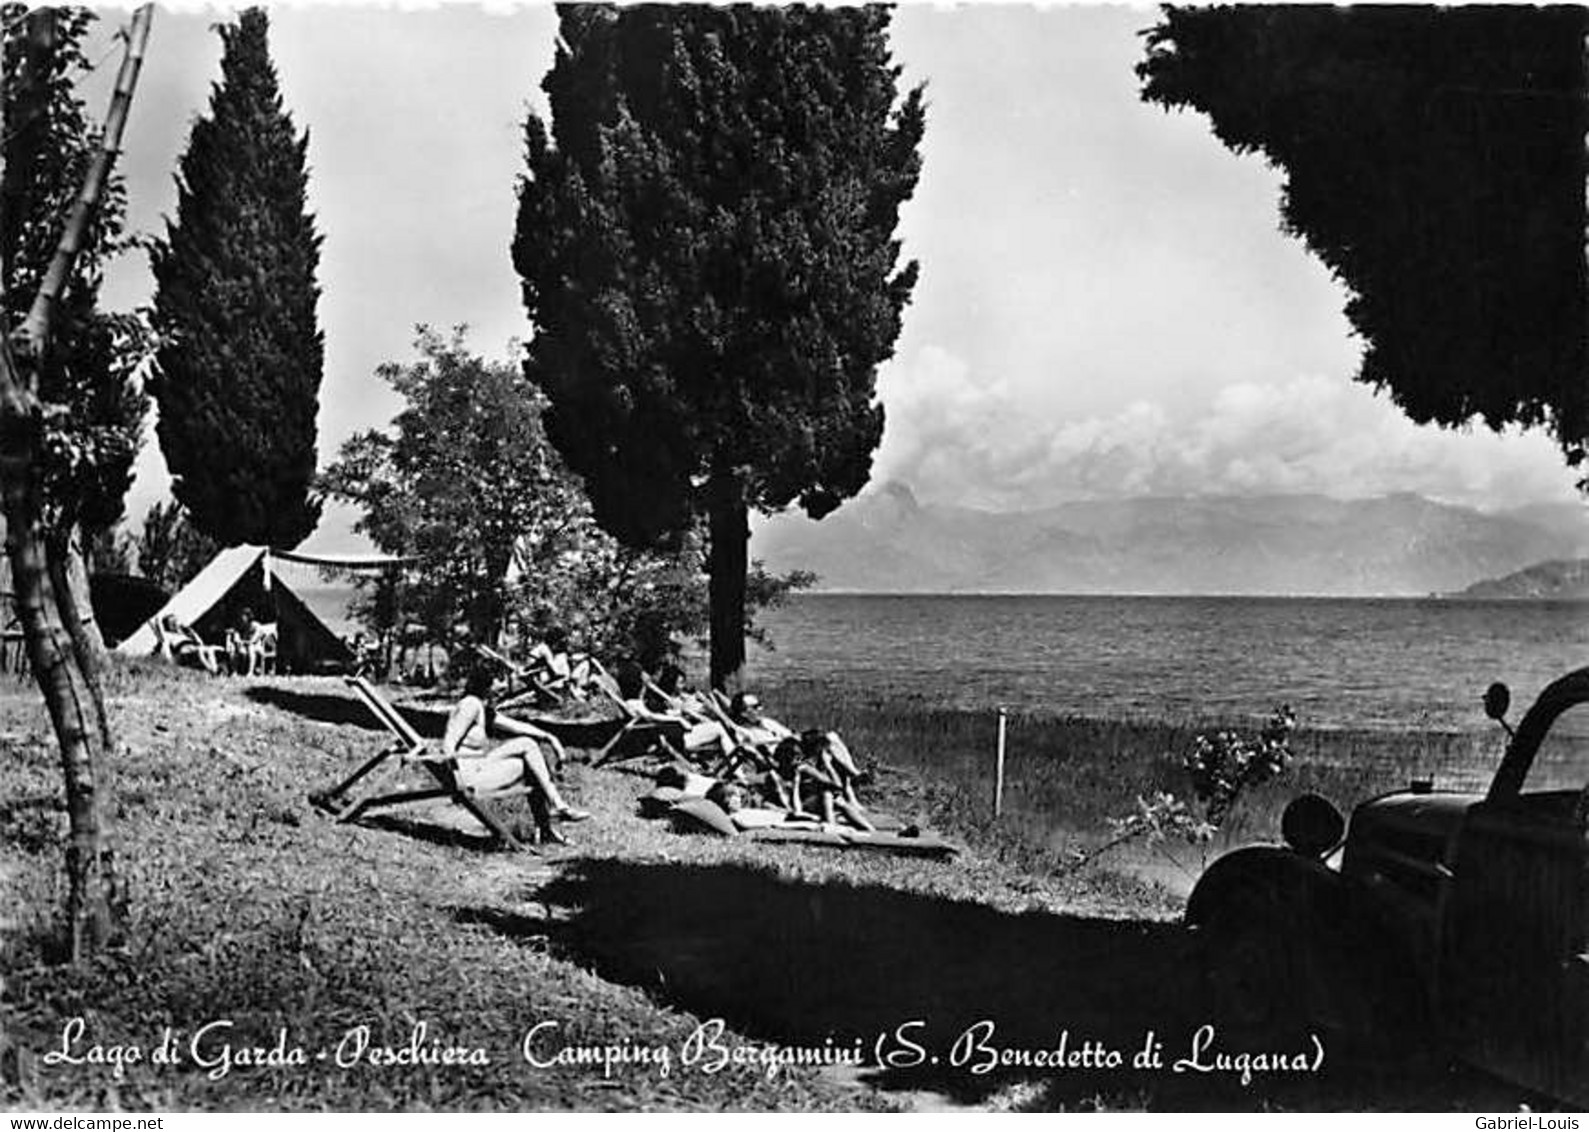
[(1276, 876)]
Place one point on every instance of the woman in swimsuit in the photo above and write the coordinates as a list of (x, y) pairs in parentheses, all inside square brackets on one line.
[(468, 738)]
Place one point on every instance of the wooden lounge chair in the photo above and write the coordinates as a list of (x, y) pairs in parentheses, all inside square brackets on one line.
[(527, 683), (178, 643), (407, 745), (638, 736)]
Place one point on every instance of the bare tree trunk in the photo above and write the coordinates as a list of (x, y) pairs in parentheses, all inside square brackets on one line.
[(95, 900), (64, 556), (728, 561)]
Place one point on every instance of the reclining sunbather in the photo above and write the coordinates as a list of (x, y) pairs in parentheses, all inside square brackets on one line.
[(828, 753), (181, 644), (468, 738), (556, 669), (755, 736), (698, 734), (805, 780)]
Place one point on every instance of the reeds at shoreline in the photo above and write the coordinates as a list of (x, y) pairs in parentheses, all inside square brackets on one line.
[(1066, 776)]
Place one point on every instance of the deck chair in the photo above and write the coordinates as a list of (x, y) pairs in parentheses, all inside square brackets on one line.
[(718, 703), (525, 683), (638, 736), (264, 646), (406, 743), (179, 643)]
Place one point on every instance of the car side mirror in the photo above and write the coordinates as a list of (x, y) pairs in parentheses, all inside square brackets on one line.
[(1497, 700)]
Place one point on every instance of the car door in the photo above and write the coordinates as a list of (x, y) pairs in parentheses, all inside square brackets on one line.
[(1514, 981)]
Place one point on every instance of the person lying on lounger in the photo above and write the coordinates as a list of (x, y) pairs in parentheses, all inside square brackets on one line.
[(669, 702), (755, 736), (804, 782), (468, 737), (826, 752)]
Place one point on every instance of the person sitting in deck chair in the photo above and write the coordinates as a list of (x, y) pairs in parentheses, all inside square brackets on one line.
[(755, 736), (180, 644), (556, 670), (468, 737), (698, 733), (251, 647)]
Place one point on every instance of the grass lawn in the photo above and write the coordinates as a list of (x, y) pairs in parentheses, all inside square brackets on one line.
[(251, 911)]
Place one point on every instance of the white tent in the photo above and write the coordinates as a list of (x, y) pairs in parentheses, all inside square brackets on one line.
[(243, 575)]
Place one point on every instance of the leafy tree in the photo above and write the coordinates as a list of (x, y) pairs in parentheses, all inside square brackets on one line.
[(171, 549), (502, 537), (87, 372), (706, 240), (241, 353), (465, 483), (640, 604), (111, 550), (38, 439), (1435, 162)]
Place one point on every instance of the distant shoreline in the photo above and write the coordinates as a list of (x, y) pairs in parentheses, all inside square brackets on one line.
[(1458, 595)]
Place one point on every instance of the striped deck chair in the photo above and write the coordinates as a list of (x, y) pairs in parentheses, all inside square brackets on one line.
[(407, 745), (525, 685), (638, 736)]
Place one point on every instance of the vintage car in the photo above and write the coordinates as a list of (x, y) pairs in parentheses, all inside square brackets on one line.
[(1458, 917)]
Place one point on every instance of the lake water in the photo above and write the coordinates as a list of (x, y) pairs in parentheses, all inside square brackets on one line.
[(1359, 663), (1390, 663)]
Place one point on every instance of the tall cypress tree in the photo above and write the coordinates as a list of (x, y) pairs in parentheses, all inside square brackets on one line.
[(708, 254), (241, 353)]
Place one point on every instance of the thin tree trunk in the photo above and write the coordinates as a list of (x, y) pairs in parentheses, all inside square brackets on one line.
[(95, 899), (728, 561), (74, 600)]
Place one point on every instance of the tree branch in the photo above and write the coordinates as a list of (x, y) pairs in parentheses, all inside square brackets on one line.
[(29, 338)]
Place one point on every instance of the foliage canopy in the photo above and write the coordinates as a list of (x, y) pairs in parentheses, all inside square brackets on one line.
[(88, 378), (1435, 162), (501, 536)]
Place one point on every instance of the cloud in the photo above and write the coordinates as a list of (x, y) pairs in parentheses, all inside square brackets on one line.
[(955, 440)]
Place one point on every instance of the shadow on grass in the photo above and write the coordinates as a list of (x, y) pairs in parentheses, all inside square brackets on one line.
[(797, 963), (430, 723), (325, 707), (31, 823)]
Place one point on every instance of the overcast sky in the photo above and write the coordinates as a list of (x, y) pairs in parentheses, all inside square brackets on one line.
[(1106, 305)]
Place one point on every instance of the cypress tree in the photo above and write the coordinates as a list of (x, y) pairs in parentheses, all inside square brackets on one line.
[(706, 243), (240, 350)]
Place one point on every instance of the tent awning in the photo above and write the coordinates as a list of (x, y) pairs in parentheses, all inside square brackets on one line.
[(343, 561)]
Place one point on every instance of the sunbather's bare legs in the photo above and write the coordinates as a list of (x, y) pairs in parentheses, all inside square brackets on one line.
[(854, 813), (528, 751), (839, 765)]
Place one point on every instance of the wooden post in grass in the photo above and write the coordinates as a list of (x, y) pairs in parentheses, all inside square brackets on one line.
[(998, 772)]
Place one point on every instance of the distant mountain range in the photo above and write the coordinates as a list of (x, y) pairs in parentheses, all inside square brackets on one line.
[(1562, 580), (887, 541)]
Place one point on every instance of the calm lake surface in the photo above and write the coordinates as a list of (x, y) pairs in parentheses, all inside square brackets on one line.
[(1358, 663)]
